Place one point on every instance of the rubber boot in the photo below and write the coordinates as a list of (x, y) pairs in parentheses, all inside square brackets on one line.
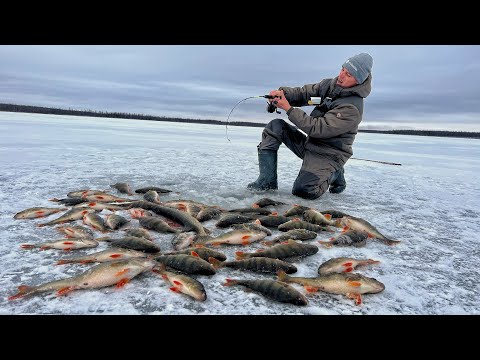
[(339, 184), (267, 180)]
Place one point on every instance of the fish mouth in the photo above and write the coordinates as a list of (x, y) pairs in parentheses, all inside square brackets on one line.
[(378, 286)]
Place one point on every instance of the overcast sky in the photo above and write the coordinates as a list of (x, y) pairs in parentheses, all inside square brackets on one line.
[(420, 86)]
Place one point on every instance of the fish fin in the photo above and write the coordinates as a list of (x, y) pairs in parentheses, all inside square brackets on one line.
[(65, 290), (164, 276), (345, 228), (356, 297), (44, 248), (67, 243), (347, 264), (122, 283), (115, 256), (66, 249), (348, 269), (121, 272), (63, 262), (255, 206), (311, 289), (182, 207), (27, 246), (177, 283), (354, 283), (260, 250), (328, 216), (175, 289), (194, 253)]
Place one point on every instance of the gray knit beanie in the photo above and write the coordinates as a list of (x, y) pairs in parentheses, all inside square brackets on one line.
[(360, 66)]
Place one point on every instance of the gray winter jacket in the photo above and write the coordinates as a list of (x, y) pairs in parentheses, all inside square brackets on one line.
[(330, 133)]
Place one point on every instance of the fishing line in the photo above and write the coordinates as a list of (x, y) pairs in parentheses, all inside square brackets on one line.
[(250, 97)]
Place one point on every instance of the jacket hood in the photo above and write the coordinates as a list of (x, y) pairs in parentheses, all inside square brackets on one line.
[(362, 90)]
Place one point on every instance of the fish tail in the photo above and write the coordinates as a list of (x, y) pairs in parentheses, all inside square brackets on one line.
[(390, 242), (241, 255), (23, 290), (216, 263), (27, 246), (282, 276), (201, 239), (267, 243), (103, 238), (326, 244), (230, 282), (63, 262), (159, 268)]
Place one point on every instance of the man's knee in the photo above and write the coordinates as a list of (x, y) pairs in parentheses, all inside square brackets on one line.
[(308, 192), (272, 135), (308, 186), (276, 125)]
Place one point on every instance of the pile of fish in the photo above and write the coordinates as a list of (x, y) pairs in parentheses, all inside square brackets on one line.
[(135, 229)]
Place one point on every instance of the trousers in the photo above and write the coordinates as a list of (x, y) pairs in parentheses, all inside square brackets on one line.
[(318, 170)]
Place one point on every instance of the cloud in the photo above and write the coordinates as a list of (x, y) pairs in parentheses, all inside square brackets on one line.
[(428, 85)]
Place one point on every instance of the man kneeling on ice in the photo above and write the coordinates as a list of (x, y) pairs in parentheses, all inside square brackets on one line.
[(330, 130)]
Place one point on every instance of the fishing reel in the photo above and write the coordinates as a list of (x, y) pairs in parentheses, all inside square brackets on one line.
[(272, 108), (271, 105)]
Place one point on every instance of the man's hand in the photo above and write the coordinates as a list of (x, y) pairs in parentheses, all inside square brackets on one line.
[(280, 101)]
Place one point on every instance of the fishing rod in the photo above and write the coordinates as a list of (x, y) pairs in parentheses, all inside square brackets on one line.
[(270, 108), (381, 162)]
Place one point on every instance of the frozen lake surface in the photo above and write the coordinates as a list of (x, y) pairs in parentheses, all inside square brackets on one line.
[(430, 203)]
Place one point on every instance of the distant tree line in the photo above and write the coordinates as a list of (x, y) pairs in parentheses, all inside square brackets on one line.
[(122, 115), (119, 115), (462, 134)]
